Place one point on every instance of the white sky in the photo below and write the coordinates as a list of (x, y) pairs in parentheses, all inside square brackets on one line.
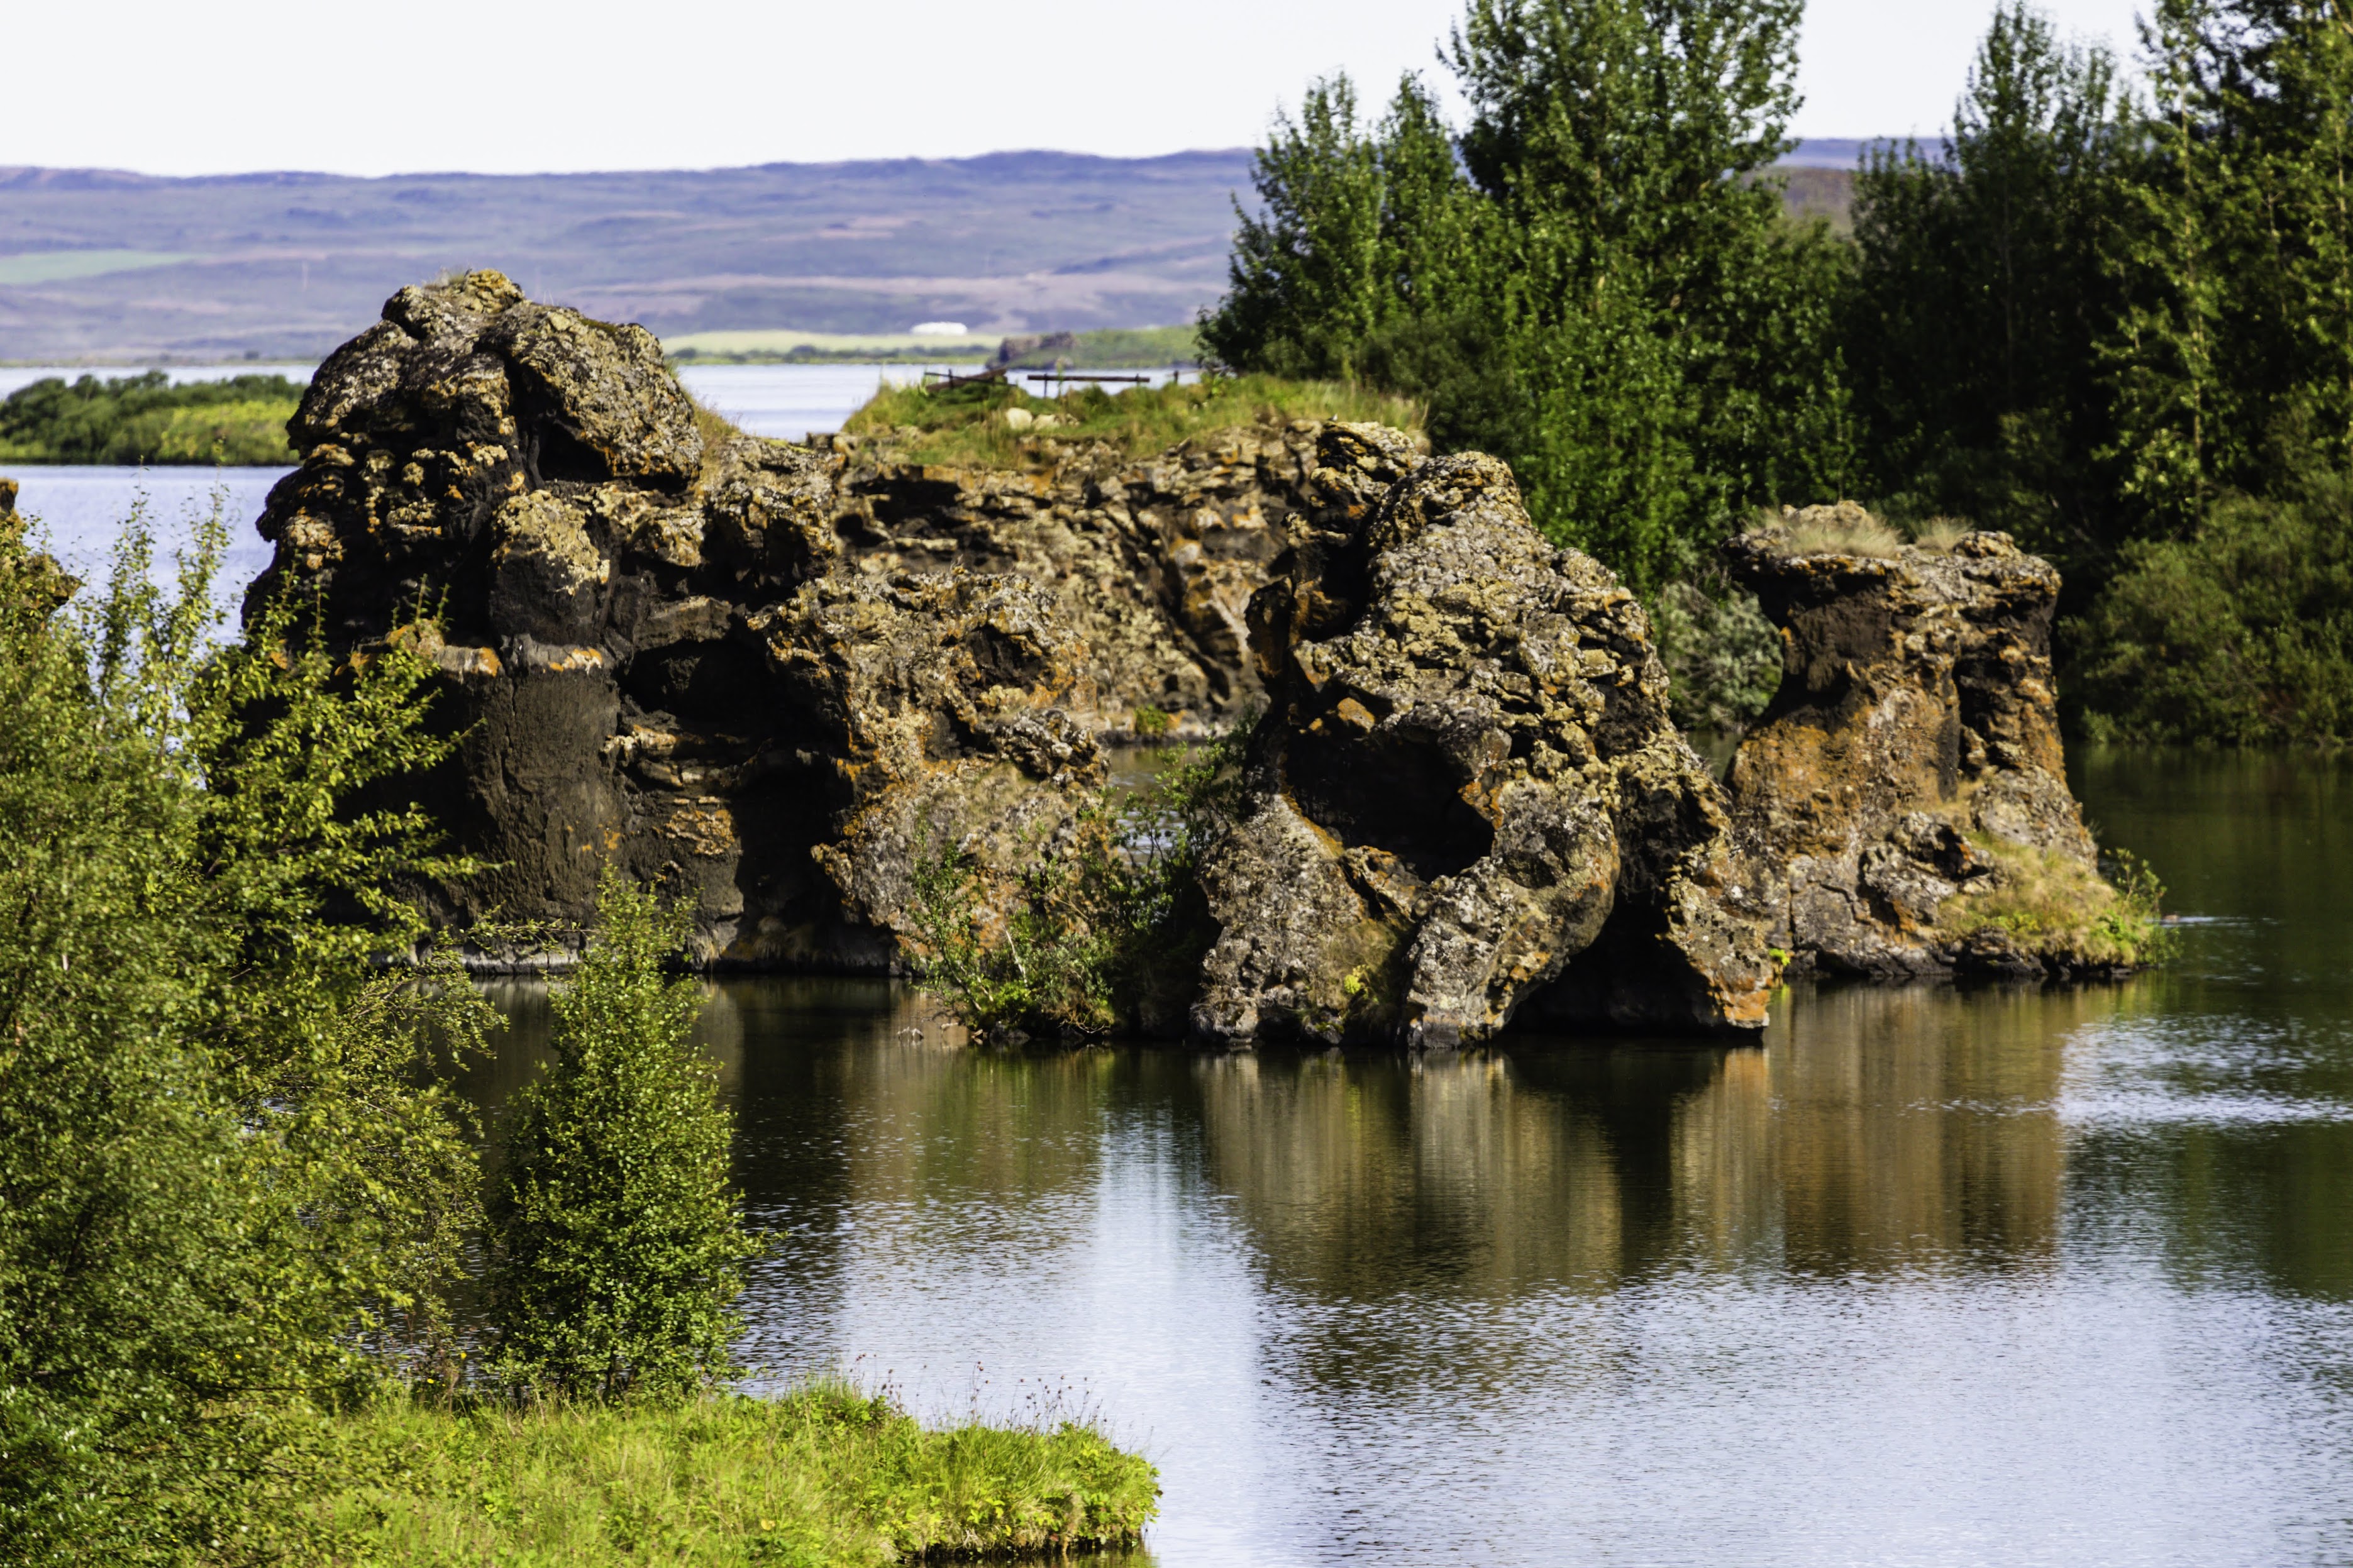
[(498, 85)]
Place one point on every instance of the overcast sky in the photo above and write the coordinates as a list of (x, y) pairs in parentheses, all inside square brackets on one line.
[(168, 87)]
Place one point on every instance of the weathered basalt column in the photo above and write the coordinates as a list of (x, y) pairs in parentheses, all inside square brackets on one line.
[(1910, 765), (1466, 783)]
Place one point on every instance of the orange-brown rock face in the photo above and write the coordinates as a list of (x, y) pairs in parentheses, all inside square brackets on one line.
[(1910, 765)]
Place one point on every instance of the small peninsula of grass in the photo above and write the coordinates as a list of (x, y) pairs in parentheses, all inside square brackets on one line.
[(996, 425), (824, 1476), (240, 421)]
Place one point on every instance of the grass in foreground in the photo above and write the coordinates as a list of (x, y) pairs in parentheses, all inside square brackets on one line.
[(824, 1476), (966, 427)]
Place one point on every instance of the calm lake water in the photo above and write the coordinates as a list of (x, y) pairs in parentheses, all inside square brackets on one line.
[(1928, 1276)]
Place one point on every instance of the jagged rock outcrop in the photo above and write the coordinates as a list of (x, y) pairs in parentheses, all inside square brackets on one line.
[(755, 671), (1151, 563), (1466, 799), (1909, 765), (652, 637), (772, 675)]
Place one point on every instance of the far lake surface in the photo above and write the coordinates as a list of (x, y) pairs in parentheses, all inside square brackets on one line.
[(1927, 1277)]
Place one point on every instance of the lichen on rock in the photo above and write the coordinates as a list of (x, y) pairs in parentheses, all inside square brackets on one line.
[(777, 678), (31, 582), (1467, 780), (659, 647), (1907, 783)]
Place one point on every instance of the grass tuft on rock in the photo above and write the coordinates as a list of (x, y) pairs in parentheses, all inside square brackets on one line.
[(825, 1476), (1844, 529), (2056, 907), (966, 427)]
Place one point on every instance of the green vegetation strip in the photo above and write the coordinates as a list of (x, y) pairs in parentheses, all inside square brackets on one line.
[(824, 1476), (1108, 348), (968, 426), (240, 421)]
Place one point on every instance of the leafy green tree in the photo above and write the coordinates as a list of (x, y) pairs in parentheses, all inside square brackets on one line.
[(1983, 293), (619, 1246), (1363, 230), (2233, 357), (1592, 281), (223, 1167)]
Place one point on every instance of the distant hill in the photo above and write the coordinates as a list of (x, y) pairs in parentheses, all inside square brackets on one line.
[(103, 266), (106, 265)]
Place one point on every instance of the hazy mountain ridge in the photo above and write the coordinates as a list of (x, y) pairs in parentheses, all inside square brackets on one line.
[(100, 264)]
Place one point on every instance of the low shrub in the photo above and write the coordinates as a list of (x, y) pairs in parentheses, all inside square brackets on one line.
[(1102, 929), (1723, 656)]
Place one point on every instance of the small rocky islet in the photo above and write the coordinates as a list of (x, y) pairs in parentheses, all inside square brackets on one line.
[(770, 675)]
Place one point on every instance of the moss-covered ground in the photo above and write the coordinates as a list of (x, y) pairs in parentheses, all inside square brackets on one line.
[(967, 425), (2054, 906), (824, 1476)]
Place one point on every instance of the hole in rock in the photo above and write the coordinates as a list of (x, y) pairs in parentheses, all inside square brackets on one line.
[(1005, 660), (558, 455), (1389, 794), (1629, 979), (717, 682)]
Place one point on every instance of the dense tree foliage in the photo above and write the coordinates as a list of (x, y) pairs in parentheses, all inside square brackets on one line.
[(1588, 279), (227, 1167), (2118, 326), (146, 419), (1984, 294)]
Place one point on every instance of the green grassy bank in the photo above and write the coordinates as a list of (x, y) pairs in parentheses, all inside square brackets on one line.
[(824, 1476), (1108, 348), (968, 425)]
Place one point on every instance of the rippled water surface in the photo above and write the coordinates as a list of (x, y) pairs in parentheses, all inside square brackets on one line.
[(1929, 1277)]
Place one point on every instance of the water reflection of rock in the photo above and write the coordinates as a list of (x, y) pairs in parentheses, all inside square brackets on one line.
[(1883, 1131), (1917, 1129), (1374, 1176)]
